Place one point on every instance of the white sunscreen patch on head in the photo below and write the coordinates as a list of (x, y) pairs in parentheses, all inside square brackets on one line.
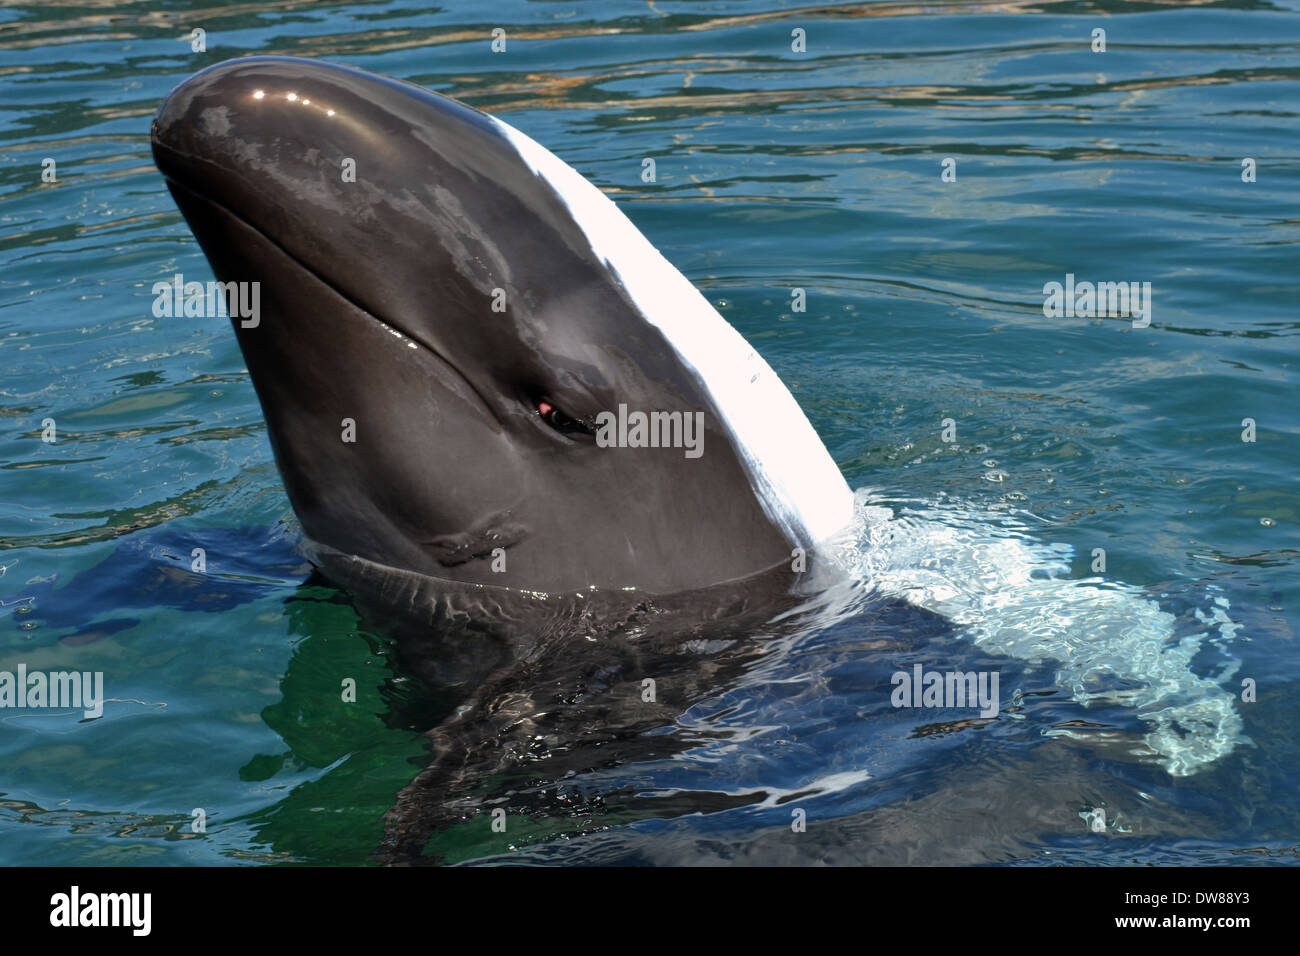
[(794, 477)]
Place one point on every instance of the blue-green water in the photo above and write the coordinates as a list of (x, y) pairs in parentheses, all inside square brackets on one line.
[(776, 170)]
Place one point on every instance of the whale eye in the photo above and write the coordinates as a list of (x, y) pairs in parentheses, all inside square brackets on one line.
[(560, 421)]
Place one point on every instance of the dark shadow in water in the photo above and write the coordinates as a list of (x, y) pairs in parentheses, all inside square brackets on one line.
[(155, 569), (590, 685)]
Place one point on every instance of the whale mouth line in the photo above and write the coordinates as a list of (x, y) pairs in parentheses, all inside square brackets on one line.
[(386, 324)]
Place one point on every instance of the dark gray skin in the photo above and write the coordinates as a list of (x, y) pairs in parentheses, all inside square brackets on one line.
[(452, 457)]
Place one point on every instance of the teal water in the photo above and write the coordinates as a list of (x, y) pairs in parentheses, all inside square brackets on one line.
[(775, 170)]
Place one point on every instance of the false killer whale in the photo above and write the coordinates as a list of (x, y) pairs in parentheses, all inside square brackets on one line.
[(476, 313), (484, 321), (449, 317)]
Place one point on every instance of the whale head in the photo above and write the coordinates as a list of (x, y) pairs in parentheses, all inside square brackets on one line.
[(472, 365)]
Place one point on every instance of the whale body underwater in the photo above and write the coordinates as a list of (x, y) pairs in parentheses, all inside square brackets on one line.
[(449, 314)]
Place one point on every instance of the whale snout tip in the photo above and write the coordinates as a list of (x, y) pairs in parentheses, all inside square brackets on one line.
[(176, 119), (195, 108)]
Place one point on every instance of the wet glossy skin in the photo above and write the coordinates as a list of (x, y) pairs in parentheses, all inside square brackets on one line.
[(376, 306)]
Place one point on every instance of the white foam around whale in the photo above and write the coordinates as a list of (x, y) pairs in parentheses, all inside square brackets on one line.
[(1011, 594), (794, 477)]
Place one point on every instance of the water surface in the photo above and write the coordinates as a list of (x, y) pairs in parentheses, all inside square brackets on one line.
[(775, 170)]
